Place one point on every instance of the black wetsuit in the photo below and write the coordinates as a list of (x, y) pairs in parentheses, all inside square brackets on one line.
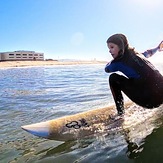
[(142, 83)]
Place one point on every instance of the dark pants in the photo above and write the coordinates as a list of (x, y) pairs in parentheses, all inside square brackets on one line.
[(147, 94)]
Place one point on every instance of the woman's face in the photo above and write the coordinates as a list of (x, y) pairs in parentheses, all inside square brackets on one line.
[(113, 49)]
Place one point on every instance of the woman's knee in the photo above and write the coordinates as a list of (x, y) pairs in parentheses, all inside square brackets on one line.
[(116, 78), (113, 77)]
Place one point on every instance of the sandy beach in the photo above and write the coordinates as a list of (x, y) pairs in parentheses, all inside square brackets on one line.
[(45, 63)]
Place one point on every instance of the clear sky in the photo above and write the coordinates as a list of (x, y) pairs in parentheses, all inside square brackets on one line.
[(78, 29)]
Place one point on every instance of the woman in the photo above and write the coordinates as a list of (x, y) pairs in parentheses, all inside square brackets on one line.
[(142, 82)]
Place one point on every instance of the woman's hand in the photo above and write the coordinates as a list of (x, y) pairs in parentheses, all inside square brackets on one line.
[(160, 47)]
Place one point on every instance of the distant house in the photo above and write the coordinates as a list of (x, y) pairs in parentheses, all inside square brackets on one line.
[(21, 56)]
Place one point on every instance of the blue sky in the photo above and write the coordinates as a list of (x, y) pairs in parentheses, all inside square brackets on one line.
[(78, 29)]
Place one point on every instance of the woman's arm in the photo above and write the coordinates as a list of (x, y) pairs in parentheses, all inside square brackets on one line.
[(151, 52)]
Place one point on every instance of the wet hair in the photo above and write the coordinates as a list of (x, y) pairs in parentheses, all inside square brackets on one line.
[(116, 39), (122, 42)]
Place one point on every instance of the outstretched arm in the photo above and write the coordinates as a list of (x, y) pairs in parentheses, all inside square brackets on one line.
[(151, 52)]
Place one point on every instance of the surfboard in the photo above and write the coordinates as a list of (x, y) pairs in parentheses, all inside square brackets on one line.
[(82, 124)]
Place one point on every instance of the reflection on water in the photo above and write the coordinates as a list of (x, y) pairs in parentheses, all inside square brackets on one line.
[(152, 147), (30, 95)]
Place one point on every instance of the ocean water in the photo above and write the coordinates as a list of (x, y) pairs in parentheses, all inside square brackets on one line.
[(34, 94)]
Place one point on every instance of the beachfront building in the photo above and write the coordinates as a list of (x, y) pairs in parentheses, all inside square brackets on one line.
[(21, 55)]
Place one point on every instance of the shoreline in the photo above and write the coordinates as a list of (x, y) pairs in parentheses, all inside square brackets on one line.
[(10, 64)]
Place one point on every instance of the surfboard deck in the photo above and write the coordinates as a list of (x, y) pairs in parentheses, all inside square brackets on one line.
[(87, 123)]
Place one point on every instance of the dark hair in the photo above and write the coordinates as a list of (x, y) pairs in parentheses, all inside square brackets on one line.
[(120, 40), (131, 50)]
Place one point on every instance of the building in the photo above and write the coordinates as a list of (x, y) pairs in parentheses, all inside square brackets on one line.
[(21, 56)]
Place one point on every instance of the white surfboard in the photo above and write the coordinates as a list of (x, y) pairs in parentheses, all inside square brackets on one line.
[(83, 124)]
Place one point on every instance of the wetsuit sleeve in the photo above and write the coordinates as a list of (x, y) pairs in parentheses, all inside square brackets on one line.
[(107, 67), (110, 67), (150, 52)]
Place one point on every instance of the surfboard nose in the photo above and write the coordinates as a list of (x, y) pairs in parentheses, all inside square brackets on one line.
[(38, 129)]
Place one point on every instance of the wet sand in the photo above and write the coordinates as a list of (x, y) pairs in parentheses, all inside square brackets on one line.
[(45, 63)]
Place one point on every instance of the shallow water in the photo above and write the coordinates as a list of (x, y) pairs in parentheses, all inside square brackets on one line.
[(35, 94)]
